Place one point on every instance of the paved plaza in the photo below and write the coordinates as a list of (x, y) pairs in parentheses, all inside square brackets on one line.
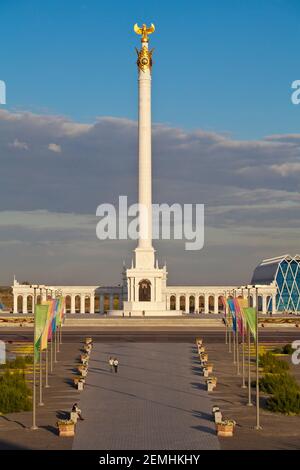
[(156, 401)]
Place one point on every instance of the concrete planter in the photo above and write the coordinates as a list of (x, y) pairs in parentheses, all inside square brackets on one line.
[(210, 386), (225, 429), (80, 386), (66, 428)]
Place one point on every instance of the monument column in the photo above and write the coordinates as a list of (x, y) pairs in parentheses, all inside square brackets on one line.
[(144, 253)]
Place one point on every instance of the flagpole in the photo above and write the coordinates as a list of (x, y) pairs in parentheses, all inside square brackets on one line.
[(234, 345), (55, 360), (249, 359), (229, 339), (46, 381), (51, 354), (258, 427), (243, 360), (41, 378), (237, 352), (225, 317), (57, 341), (34, 426)]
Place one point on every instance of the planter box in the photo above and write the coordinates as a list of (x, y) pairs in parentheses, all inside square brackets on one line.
[(66, 430), (224, 430), (80, 387), (210, 387)]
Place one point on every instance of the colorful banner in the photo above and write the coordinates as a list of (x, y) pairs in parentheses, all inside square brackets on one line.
[(232, 311), (224, 304), (44, 336), (240, 317), (51, 318), (250, 314), (40, 321)]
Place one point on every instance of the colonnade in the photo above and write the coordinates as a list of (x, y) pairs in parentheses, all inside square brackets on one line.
[(212, 303)]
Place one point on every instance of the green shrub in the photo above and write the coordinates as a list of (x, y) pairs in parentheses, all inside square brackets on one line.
[(287, 349), (285, 400), (273, 384), (19, 362), (15, 395), (272, 364)]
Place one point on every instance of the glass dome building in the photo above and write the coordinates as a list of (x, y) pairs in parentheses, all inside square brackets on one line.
[(284, 271)]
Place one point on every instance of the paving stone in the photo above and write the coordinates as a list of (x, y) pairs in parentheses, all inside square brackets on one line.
[(156, 401)]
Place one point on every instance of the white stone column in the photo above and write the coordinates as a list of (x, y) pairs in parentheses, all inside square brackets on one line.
[(177, 302), (72, 303), (15, 308), (206, 303), (254, 300), (145, 178), (111, 302), (216, 304), (274, 309), (101, 303), (264, 304), (92, 303), (24, 306), (82, 303)]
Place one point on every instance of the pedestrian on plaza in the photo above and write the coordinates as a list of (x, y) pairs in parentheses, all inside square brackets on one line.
[(111, 363), (76, 409), (116, 363)]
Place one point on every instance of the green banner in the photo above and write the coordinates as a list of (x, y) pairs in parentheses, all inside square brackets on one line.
[(250, 314), (40, 322)]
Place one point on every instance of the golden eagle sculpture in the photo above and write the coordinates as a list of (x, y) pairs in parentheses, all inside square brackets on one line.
[(144, 31)]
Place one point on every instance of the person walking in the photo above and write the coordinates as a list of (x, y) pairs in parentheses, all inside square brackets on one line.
[(116, 363), (111, 363)]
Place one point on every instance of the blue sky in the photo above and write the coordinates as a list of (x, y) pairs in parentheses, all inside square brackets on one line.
[(228, 135), (224, 66)]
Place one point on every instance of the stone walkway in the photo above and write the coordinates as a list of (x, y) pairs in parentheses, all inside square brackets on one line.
[(156, 401)]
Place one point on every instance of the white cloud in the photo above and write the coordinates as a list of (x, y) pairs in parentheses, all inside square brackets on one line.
[(286, 169), (54, 148), (18, 145)]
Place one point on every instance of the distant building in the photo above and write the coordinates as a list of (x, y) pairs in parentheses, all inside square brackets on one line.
[(284, 271)]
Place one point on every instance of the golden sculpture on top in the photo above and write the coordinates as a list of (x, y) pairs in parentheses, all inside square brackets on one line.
[(144, 60), (144, 31)]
